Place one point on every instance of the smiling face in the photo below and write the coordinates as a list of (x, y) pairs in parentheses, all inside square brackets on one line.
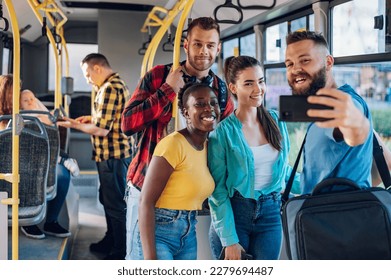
[(249, 87), (201, 47), (202, 110), (307, 66)]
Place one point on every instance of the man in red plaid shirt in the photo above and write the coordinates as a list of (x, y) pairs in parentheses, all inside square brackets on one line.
[(149, 111)]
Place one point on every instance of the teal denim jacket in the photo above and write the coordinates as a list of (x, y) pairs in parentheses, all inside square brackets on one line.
[(231, 164)]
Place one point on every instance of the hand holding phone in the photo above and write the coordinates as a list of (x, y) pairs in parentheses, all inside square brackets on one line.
[(293, 108), (244, 255)]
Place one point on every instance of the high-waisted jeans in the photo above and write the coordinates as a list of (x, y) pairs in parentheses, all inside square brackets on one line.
[(258, 226), (175, 235)]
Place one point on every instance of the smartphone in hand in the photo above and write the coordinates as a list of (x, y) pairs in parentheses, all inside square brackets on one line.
[(244, 255), (293, 108)]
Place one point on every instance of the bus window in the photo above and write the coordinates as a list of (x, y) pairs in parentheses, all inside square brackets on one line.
[(373, 82), (76, 53), (229, 47), (276, 85), (353, 30), (4, 68), (275, 42), (301, 23), (247, 45)]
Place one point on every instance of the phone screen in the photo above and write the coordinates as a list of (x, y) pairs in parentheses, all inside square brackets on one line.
[(293, 108)]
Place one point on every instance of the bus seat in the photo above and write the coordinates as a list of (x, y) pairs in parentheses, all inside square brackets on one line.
[(54, 150), (33, 171)]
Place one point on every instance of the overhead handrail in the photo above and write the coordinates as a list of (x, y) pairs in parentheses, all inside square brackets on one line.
[(14, 177), (257, 7), (153, 20), (145, 45), (44, 25), (168, 46), (64, 59), (50, 8), (57, 38), (152, 48), (6, 23), (228, 5), (179, 7)]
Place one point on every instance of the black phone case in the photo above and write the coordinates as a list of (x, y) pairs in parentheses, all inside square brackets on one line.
[(293, 108), (244, 255)]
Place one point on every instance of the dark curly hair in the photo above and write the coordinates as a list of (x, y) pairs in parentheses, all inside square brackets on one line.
[(184, 93)]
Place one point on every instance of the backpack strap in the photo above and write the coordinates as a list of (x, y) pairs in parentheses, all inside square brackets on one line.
[(222, 96), (167, 69), (223, 92), (288, 187), (381, 163)]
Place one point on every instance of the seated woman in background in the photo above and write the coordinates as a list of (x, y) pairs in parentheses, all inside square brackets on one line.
[(28, 101), (177, 182), (6, 83), (51, 226)]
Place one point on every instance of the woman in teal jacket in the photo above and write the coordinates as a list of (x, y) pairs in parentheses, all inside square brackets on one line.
[(248, 159)]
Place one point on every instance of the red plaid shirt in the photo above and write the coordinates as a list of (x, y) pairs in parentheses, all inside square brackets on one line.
[(147, 113)]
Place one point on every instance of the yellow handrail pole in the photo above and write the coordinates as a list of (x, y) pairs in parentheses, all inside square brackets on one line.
[(14, 201), (65, 52), (58, 25), (148, 52), (57, 90), (158, 37), (151, 50), (179, 6), (149, 23), (59, 31), (153, 19), (145, 60), (177, 53)]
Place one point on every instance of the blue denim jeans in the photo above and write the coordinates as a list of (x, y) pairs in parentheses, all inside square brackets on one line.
[(55, 205), (258, 226), (132, 203), (175, 235)]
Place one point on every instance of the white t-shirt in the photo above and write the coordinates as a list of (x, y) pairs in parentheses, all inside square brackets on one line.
[(264, 158)]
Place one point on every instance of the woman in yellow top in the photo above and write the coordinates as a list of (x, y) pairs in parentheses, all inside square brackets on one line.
[(177, 182)]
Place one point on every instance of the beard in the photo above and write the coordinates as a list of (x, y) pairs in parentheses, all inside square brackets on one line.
[(318, 82), (197, 65)]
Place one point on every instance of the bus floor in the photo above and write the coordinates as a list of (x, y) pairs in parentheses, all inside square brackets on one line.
[(84, 217), (91, 229)]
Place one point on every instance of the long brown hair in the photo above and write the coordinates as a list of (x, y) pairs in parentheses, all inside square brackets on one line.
[(232, 67), (6, 83)]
